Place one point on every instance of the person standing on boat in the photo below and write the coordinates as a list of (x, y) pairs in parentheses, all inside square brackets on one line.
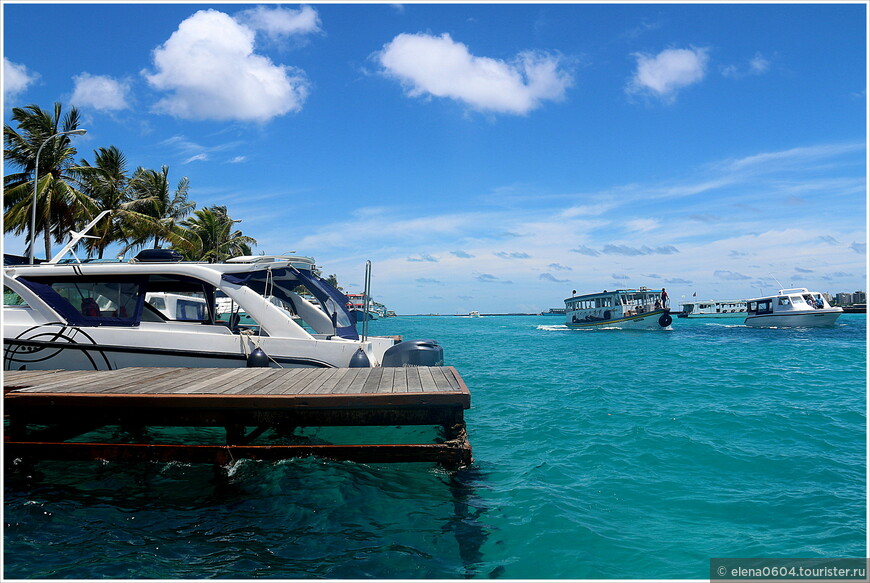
[(664, 298)]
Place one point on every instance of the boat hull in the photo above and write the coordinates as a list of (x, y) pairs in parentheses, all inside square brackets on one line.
[(713, 315), (806, 319), (655, 320)]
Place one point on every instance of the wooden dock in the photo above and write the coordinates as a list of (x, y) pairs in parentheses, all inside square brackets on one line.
[(46, 410)]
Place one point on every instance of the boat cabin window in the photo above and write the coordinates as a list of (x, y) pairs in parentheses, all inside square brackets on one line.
[(761, 307), (92, 301), (180, 298), (784, 301), (10, 298)]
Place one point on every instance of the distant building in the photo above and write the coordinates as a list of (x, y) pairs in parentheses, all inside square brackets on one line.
[(844, 299), (847, 299)]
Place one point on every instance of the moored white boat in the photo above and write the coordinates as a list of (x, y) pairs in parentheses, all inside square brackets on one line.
[(795, 307), (100, 316), (640, 308), (713, 309)]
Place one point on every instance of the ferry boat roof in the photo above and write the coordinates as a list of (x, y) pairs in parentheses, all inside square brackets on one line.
[(639, 290)]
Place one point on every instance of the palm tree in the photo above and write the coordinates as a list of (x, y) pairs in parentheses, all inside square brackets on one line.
[(60, 206), (160, 210), (212, 229), (110, 186)]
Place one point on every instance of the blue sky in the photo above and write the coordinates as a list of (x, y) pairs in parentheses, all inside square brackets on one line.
[(487, 157)]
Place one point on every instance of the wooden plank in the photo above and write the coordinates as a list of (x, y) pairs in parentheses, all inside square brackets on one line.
[(254, 377), (374, 379), (426, 380), (413, 376), (273, 379), (92, 381), (200, 379), (126, 379), (329, 384), (159, 384), (299, 382), (322, 378), (446, 379), (41, 379), (400, 380), (359, 381), (28, 377), (221, 384), (346, 380), (387, 381)]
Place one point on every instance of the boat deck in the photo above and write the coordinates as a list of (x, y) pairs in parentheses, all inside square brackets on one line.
[(50, 412)]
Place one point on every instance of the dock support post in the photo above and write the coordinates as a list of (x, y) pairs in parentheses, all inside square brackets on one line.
[(235, 434)]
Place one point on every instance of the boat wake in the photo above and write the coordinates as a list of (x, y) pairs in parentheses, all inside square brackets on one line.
[(564, 328)]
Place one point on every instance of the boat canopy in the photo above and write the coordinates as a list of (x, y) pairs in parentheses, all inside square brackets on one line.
[(281, 282)]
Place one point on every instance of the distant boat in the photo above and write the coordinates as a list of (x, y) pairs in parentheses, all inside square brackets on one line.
[(640, 308), (357, 305), (797, 307), (474, 314), (713, 309)]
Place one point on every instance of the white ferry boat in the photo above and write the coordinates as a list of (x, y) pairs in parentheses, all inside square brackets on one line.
[(796, 307), (640, 308), (713, 309), (91, 315)]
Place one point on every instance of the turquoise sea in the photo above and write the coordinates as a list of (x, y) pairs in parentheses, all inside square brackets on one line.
[(598, 454)]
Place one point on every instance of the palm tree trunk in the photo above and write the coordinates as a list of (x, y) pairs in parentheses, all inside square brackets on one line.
[(47, 244)]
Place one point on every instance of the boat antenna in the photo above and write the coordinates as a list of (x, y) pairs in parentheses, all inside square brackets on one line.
[(76, 236), (777, 281)]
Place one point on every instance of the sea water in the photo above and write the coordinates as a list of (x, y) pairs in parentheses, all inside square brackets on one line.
[(598, 454)]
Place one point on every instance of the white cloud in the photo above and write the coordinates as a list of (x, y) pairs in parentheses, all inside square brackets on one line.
[(16, 78), (278, 23), (441, 67), (642, 225), (210, 68), (664, 74), (757, 65), (100, 92), (196, 158)]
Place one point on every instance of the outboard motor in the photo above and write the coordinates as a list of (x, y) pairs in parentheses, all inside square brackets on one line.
[(414, 353)]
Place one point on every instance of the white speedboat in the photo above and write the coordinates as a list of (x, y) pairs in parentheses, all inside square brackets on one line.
[(713, 309), (797, 307), (103, 316), (640, 308), (474, 314)]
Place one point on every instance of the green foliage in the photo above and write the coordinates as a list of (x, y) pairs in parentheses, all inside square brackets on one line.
[(146, 209)]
